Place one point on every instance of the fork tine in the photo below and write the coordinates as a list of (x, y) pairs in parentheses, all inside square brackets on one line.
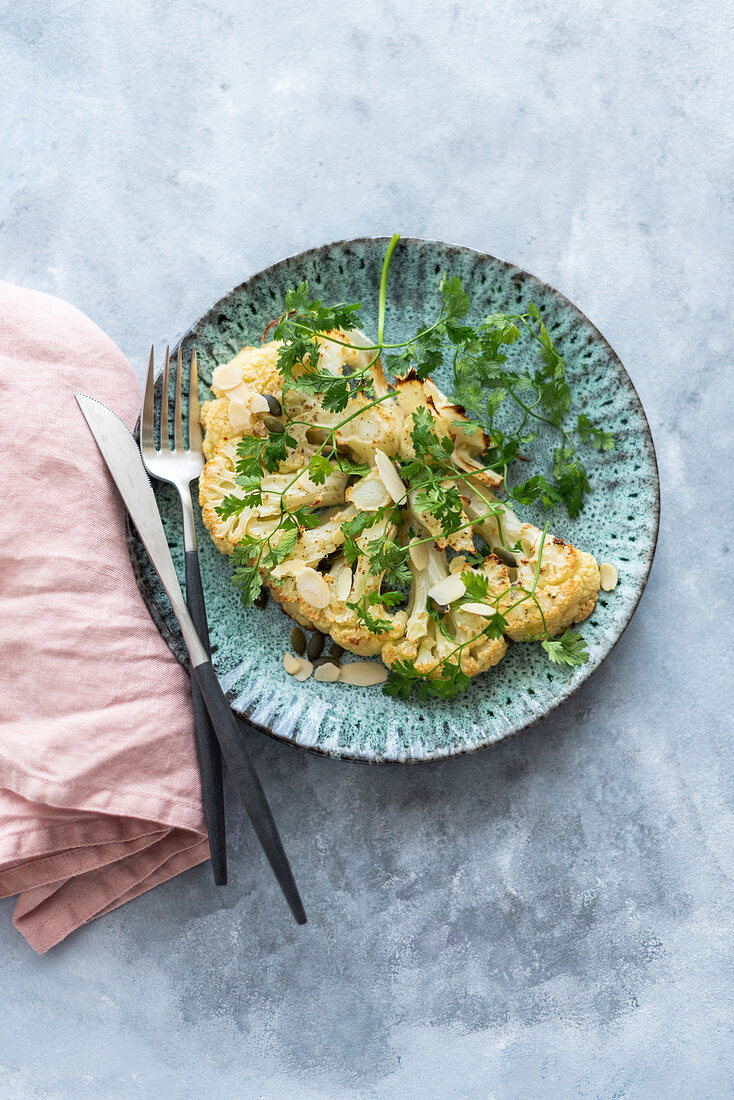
[(177, 423), (147, 428), (194, 425), (165, 438)]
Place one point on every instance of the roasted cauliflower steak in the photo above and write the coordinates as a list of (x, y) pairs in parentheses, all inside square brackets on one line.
[(327, 580)]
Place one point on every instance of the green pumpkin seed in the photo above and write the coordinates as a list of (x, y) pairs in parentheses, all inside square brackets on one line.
[(274, 404), (336, 653), (298, 640), (505, 557), (273, 425), (315, 646)]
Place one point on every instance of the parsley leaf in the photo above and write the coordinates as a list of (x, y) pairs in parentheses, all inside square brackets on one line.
[(569, 649)]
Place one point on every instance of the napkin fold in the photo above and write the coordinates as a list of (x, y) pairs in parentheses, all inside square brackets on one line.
[(99, 788)]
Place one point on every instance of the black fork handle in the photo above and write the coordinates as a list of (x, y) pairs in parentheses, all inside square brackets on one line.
[(207, 746), (231, 738)]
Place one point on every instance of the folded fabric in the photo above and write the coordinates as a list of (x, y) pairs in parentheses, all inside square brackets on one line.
[(99, 789)]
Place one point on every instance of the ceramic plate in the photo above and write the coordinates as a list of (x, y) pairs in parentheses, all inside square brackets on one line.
[(619, 523)]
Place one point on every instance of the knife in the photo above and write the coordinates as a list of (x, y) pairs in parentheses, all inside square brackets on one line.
[(122, 456)]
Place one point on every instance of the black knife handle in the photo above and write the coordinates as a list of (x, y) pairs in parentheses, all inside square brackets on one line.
[(232, 742), (207, 746)]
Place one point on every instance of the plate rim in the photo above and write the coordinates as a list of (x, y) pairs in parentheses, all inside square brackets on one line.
[(450, 754)]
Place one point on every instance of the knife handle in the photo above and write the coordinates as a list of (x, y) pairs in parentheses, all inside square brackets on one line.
[(231, 740), (207, 746)]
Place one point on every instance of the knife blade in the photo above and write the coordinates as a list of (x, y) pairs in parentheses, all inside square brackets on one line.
[(122, 456)]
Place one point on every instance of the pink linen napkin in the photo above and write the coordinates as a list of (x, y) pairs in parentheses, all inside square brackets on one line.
[(99, 789)]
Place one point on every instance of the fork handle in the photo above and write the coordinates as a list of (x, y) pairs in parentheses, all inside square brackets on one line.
[(249, 787), (207, 746)]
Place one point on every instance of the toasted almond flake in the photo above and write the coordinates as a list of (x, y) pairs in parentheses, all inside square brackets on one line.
[(327, 673), (304, 671), (313, 588), (608, 576), (363, 673), (419, 555), (258, 404), (289, 568), (343, 585), (227, 377), (291, 664), (390, 477), (482, 609), (239, 415), (447, 590), (243, 393)]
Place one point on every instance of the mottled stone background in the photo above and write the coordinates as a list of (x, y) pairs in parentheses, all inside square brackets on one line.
[(549, 918)]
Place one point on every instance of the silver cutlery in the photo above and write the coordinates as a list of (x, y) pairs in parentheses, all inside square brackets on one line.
[(125, 464), (179, 467)]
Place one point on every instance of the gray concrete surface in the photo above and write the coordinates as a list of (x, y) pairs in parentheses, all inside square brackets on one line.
[(551, 918)]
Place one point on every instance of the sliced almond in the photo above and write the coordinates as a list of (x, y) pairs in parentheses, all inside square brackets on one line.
[(242, 393), (227, 377), (304, 671), (291, 664), (447, 590), (390, 477), (289, 568), (419, 555), (327, 673), (608, 576), (258, 404), (343, 585), (313, 588), (363, 673), (482, 609), (239, 415)]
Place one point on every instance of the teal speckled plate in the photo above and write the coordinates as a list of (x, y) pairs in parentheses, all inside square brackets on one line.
[(619, 523)]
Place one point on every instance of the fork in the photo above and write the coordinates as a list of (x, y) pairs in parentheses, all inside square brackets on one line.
[(180, 467)]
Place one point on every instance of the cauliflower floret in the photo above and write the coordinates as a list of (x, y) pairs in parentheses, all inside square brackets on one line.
[(257, 368), (568, 582), (449, 421), (378, 427), (426, 644), (237, 386), (219, 480), (342, 584)]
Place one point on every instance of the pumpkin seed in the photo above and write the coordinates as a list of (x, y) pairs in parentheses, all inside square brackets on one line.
[(273, 425), (315, 646), (274, 405), (505, 556), (298, 640), (261, 600), (337, 651)]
